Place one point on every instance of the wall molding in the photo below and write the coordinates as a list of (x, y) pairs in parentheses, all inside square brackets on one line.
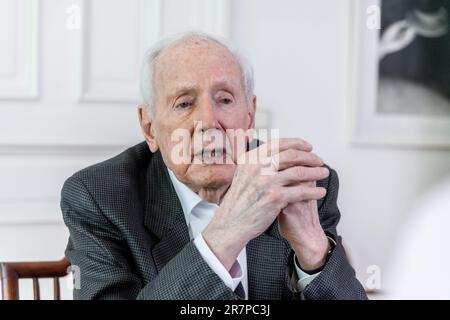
[(8, 222), (111, 90), (210, 16), (23, 83), (29, 211), (61, 150)]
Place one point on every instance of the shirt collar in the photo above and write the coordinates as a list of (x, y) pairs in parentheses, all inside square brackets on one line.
[(188, 198)]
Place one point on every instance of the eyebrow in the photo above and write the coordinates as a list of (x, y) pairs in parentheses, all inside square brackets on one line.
[(224, 83), (179, 89), (188, 88)]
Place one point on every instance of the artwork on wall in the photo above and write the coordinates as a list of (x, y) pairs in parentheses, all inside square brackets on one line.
[(400, 85)]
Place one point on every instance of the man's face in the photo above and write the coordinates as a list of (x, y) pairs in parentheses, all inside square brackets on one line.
[(199, 91)]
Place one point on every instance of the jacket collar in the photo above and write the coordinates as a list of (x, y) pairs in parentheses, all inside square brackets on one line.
[(163, 210)]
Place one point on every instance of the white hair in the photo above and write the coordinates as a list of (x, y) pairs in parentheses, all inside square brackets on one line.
[(148, 66)]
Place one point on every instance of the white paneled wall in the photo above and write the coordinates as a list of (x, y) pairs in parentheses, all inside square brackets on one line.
[(109, 73), (68, 96), (19, 35), (69, 74)]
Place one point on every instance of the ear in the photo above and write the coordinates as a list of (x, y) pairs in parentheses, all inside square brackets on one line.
[(147, 127), (252, 113)]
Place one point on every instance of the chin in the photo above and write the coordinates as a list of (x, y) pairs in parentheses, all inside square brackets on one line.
[(212, 176)]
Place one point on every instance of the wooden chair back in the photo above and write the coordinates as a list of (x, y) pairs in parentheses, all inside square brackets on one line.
[(11, 272)]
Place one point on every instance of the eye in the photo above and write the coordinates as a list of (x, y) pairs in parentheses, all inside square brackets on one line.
[(183, 105), (226, 100)]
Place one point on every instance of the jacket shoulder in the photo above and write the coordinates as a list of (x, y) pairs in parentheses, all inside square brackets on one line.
[(133, 159), (111, 179)]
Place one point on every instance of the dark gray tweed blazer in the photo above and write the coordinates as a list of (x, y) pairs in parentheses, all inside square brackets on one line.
[(130, 240)]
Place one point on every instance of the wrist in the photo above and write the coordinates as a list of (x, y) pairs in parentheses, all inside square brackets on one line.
[(225, 243), (312, 258)]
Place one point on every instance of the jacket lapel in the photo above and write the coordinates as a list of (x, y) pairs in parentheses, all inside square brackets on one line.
[(164, 215)]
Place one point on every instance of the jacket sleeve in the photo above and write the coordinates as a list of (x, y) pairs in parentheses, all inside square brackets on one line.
[(337, 280), (96, 248)]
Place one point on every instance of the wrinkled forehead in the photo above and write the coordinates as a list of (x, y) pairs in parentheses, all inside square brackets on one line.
[(196, 62)]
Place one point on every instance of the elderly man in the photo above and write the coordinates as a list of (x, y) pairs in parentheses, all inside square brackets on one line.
[(146, 225)]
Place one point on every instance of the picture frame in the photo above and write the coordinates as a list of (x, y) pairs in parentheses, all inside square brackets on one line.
[(368, 124)]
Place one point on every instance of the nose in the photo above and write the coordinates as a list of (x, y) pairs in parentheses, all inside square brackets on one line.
[(208, 115)]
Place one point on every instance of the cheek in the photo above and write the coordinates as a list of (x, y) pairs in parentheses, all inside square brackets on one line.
[(238, 138), (174, 163), (166, 134), (173, 153), (237, 118), (174, 143)]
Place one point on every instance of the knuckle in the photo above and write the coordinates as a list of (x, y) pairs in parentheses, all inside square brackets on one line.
[(319, 192), (316, 159), (319, 172), (300, 173), (291, 153), (301, 192), (305, 144), (275, 196)]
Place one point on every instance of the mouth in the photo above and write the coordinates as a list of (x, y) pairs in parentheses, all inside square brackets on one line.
[(212, 156)]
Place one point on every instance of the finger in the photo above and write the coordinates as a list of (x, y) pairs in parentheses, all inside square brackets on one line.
[(298, 174), (278, 145), (293, 157), (303, 193)]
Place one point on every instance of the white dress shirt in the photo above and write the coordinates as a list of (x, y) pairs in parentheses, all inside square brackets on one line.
[(198, 213)]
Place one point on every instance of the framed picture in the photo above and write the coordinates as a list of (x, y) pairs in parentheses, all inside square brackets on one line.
[(400, 72)]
